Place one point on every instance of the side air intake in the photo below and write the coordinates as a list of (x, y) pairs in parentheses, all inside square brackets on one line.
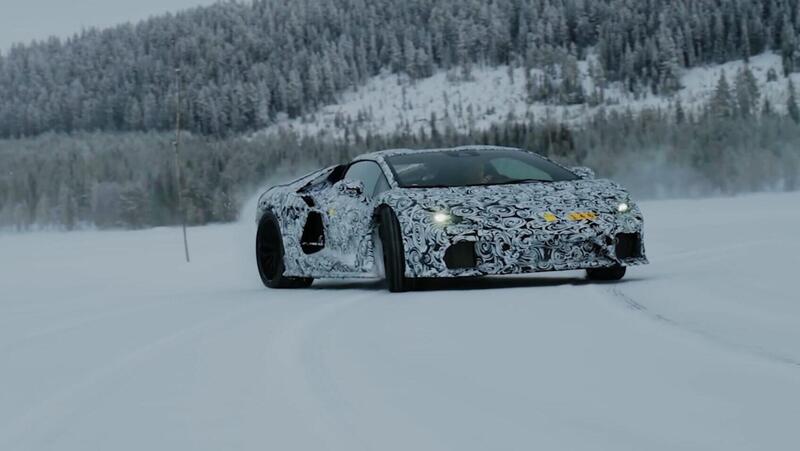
[(313, 239)]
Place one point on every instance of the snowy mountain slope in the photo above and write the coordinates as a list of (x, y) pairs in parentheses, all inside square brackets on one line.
[(109, 341), (392, 103)]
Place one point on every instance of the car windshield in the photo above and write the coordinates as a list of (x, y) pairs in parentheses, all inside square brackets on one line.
[(474, 167)]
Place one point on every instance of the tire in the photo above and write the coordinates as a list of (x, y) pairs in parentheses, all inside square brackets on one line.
[(606, 274), (394, 261), (269, 256)]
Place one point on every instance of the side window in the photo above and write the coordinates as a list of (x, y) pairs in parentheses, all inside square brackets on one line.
[(383, 185), (370, 174)]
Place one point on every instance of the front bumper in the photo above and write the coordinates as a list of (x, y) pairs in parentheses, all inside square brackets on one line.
[(463, 251)]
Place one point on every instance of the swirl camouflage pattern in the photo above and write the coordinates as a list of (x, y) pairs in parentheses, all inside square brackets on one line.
[(328, 221)]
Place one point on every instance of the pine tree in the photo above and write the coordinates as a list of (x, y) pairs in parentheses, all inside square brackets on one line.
[(722, 103), (772, 75), (747, 93), (766, 108), (313, 83), (423, 66), (680, 115), (133, 116), (263, 100), (294, 94), (395, 52), (744, 33), (791, 103), (669, 66), (410, 58), (788, 46)]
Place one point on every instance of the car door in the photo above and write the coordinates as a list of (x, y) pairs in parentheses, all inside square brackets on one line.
[(350, 214)]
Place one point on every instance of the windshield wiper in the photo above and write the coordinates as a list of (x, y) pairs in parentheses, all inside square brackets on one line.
[(428, 186), (514, 182), (506, 182)]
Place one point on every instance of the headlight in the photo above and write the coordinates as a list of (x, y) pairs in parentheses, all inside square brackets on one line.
[(442, 218), (623, 207), (445, 218)]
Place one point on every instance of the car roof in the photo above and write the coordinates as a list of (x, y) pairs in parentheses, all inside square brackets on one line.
[(390, 152)]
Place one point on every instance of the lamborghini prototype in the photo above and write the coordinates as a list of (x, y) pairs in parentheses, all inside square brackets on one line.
[(406, 215)]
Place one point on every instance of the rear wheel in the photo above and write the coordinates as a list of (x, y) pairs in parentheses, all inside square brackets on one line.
[(269, 256), (606, 274), (394, 262)]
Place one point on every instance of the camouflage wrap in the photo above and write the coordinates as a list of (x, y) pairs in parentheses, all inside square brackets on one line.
[(520, 228)]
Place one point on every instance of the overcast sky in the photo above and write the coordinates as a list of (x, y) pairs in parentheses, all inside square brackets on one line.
[(26, 20)]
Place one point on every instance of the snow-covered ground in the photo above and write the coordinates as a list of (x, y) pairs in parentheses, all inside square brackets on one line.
[(389, 102), (109, 342)]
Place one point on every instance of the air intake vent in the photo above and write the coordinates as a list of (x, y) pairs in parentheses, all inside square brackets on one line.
[(461, 256), (313, 239), (629, 245), (309, 201)]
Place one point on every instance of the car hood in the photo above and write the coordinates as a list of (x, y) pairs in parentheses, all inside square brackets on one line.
[(527, 201)]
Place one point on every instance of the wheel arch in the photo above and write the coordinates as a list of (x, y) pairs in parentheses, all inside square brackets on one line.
[(290, 247), (404, 221)]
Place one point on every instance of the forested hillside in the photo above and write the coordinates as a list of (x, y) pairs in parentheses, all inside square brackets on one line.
[(670, 97), (246, 63)]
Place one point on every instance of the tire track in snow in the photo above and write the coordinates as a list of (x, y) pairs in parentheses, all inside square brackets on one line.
[(705, 255), (618, 295), (300, 380), (62, 403), (86, 320)]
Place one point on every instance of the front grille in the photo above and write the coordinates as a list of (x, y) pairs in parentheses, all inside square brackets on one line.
[(629, 245), (461, 255)]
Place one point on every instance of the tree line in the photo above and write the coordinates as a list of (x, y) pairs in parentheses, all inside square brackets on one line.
[(125, 179)]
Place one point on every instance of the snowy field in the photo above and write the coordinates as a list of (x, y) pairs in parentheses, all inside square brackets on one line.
[(109, 342)]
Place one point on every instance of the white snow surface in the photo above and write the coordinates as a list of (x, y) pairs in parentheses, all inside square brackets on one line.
[(108, 341), (391, 103)]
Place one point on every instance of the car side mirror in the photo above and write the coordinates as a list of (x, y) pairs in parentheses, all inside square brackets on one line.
[(583, 172), (351, 188)]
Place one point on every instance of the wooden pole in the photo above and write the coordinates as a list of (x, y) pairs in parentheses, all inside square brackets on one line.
[(178, 179)]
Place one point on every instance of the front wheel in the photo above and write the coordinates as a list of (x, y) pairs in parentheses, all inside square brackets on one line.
[(394, 261), (269, 256), (606, 274)]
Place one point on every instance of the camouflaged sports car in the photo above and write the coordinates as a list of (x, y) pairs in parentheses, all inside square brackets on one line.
[(467, 211)]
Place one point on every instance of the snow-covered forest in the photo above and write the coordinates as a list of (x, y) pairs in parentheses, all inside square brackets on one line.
[(245, 63), (84, 123)]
